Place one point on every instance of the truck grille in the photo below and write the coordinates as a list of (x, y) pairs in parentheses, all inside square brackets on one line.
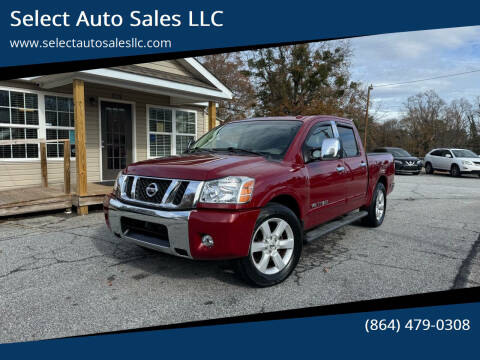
[(163, 193), (144, 183)]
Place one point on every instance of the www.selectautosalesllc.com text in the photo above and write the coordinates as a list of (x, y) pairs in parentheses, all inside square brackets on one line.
[(115, 43)]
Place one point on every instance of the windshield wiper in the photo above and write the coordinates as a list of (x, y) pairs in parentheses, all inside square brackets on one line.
[(239, 150), (190, 151)]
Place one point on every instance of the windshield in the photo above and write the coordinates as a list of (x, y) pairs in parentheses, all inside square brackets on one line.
[(464, 154), (270, 138), (398, 152)]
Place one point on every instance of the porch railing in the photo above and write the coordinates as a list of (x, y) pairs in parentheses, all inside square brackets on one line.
[(43, 158)]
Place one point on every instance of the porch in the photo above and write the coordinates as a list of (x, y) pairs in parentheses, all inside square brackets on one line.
[(108, 118), (36, 198)]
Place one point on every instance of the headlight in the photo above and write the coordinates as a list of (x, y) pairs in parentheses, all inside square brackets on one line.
[(466, 162), (419, 162), (398, 162), (117, 186), (228, 190)]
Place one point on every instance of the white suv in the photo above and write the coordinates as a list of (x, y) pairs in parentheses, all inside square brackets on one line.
[(457, 161)]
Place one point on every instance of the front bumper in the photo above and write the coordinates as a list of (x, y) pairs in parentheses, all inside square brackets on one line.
[(230, 230), (407, 169), (470, 169)]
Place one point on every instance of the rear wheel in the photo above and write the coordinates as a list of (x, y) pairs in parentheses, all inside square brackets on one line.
[(455, 171), (377, 208), (428, 168), (275, 248)]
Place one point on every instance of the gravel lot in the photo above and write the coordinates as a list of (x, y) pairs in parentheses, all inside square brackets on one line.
[(64, 275)]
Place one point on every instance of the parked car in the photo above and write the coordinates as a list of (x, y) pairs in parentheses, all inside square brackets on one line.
[(456, 161), (404, 162), (254, 191)]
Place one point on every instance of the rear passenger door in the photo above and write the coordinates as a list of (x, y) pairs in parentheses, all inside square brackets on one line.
[(355, 167)]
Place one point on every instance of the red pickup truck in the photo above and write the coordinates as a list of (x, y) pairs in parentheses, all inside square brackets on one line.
[(253, 191)]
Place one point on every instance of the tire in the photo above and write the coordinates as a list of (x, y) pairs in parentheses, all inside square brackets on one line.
[(428, 168), (455, 171), (260, 267), (372, 219)]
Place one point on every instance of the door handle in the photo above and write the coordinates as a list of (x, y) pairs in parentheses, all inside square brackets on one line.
[(363, 164), (340, 168)]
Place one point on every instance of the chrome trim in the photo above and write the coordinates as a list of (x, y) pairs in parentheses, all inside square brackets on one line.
[(175, 221), (174, 184), (134, 187), (121, 182), (336, 134), (340, 168), (363, 164), (189, 199)]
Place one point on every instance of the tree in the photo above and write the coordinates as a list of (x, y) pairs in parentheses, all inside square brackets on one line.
[(229, 69), (302, 79), (424, 121), (429, 122)]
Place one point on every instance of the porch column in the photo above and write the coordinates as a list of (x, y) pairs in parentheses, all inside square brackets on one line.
[(80, 150), (212, 115)]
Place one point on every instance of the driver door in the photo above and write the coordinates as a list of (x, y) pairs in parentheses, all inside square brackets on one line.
[(327, 179)]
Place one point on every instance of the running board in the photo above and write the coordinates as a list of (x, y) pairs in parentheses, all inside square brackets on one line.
[(334, 225)]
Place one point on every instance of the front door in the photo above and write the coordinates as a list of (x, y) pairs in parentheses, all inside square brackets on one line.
[(328, 180), (116, 124)]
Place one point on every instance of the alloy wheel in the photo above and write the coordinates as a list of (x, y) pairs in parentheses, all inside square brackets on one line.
[(380, 205), (272, 246)]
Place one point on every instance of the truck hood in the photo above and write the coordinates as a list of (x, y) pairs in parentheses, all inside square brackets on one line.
[(200, 166)]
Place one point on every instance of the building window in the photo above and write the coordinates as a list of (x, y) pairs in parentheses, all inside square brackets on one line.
[(160, 132), (18, 121), (166, 136), (185, 129), (59, 124)]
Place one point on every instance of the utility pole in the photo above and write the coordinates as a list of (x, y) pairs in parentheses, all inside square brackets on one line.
[(370, 88)]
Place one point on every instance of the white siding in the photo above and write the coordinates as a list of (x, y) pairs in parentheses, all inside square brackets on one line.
[(27, 173)]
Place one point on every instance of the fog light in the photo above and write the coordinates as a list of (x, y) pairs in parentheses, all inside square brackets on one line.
[(207, 240)]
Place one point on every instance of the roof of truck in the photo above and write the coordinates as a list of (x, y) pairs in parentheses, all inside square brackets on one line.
[(303, 118)]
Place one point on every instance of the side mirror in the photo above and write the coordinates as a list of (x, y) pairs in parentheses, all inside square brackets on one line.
[(448, 155), (330, 150)]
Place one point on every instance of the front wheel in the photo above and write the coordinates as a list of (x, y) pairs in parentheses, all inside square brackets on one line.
[(275, 247), (377, 208), (455, 171)]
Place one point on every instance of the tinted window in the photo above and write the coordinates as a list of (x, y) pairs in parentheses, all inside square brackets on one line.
[(398, 152), (464, 153), (349, 143), (315, 139), (317, 135), (380, 150), (436, 153), (271, 137)]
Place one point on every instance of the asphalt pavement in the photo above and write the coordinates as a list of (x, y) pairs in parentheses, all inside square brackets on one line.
[(63, 275)]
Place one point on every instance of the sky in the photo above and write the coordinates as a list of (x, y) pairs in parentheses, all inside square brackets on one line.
[(399, 57)]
